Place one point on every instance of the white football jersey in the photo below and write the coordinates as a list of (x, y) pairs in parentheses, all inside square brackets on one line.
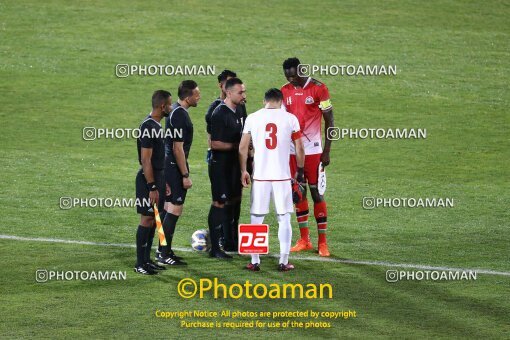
[(272, 133)]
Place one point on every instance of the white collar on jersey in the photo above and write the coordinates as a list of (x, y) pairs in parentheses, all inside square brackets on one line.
[(307, 82), (150, 117), (223, 103), (172, 113), (180, 106)]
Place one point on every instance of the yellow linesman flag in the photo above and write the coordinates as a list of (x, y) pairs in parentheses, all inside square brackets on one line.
[(159, 227)]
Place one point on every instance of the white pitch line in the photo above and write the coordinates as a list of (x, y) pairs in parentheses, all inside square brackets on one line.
[(320, 259)]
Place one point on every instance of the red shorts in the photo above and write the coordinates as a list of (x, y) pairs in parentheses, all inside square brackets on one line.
[(311, 167)]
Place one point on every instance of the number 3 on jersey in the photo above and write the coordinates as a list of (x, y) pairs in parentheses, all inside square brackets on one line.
[(271, 140)]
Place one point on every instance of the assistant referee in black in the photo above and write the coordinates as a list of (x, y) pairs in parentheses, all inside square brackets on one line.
[(178, 140), (150, 179)]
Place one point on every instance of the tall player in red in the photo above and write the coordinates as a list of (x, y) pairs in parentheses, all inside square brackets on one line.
[(308, 99)]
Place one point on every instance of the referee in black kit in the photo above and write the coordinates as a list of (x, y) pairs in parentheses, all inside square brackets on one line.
[(150, 180), (224, 172), (228, 239), (178, 139), (222, 79)]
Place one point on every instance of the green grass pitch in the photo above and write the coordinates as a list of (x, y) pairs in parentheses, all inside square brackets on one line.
[(57, 61)]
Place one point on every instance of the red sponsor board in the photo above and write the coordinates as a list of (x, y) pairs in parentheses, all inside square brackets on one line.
[(253, 239)]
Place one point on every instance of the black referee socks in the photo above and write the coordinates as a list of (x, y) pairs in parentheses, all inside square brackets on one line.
[(216, 219), (142, 235), (169, 224), (230, 225), (235, 223), (150, 238), (227, 227)]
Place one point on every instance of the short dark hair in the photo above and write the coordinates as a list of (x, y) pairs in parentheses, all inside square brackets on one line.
[(290, 63), (186, 89), (232, 82), (273, 95), (225, 74), (160, 97)]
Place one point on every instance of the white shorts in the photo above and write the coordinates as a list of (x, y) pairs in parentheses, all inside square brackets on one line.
[(280, 191)]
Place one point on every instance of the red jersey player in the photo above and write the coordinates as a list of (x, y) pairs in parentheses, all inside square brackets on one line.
[(308, 99)]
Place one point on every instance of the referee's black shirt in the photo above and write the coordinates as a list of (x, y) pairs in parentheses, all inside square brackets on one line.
[(227, 127), (181, 130), (240, 111), (151, 137)]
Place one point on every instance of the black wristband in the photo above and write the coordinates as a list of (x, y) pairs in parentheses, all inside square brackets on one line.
[(300, 170), (152, 186), (186, 175)]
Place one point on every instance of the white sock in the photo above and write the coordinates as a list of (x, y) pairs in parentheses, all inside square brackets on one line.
[(256, 219), (284, 236)]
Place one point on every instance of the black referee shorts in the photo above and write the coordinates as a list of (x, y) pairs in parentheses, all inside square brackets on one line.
[(237, 186), (173, 178), (225, 177), (142, 192)]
